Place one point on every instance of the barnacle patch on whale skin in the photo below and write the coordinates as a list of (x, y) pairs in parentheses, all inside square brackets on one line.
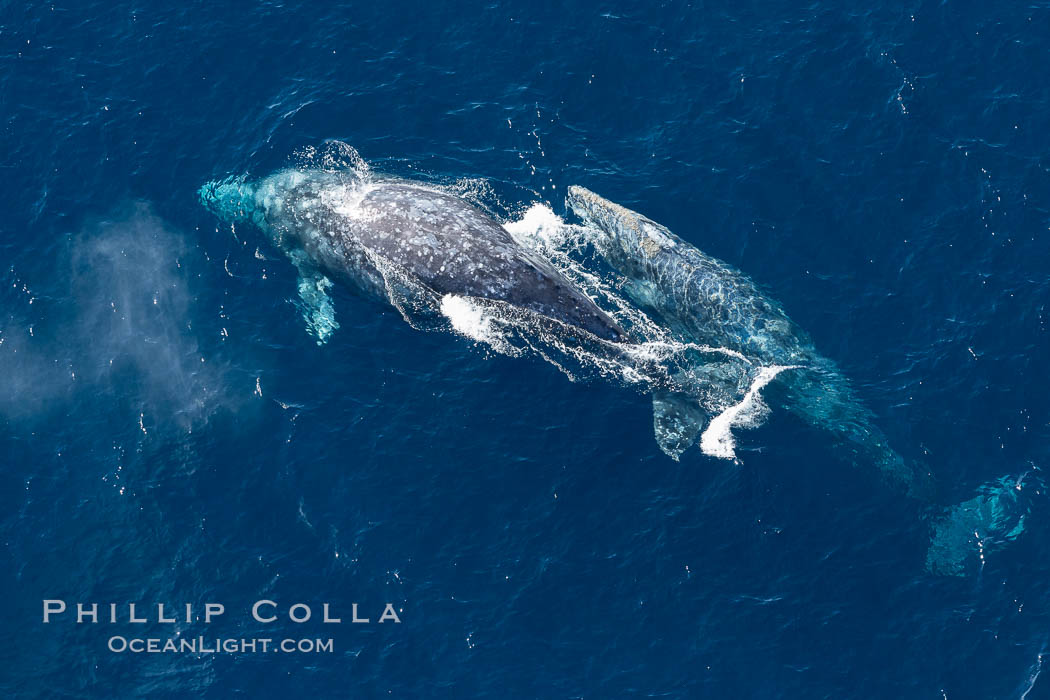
[(650, 247)]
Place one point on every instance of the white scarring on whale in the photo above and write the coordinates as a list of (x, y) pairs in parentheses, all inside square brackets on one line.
[(709, 302)]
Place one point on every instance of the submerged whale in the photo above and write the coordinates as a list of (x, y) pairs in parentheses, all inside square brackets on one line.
[(709, 302), (334, 225)]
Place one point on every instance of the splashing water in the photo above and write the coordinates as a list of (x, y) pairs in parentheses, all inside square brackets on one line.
[(717, 440)]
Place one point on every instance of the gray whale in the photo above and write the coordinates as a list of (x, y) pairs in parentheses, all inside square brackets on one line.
[(356, 232), (708, 301)]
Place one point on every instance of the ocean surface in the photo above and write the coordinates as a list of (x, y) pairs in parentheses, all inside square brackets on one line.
[(170, 433)]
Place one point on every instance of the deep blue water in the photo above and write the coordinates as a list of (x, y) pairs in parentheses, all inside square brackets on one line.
[(882, 171)]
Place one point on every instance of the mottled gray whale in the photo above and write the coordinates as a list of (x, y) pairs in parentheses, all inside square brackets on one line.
[(709, 302), (336, 225)]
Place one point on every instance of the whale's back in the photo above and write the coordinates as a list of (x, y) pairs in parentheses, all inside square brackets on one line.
[(453, 247)]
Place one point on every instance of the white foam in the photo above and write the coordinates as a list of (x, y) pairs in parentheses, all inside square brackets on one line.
[(538, 221), (569, 248), (717, 440), (658, 350), (467, 319)]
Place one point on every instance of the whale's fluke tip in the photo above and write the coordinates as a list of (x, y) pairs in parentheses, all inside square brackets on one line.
[(995, 516)]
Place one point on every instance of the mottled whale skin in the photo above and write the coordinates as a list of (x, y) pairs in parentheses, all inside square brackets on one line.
[(713, 303), (350, 228)]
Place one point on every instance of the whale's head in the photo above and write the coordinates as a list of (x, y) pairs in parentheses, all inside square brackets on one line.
[(264, 203), (232, 200), (627, 240)]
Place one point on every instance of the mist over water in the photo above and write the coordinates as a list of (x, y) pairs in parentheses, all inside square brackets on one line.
[(129, 336)]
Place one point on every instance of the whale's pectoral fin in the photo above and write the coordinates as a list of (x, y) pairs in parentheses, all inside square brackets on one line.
[(995, 516), (316, 306), (677, 421), (315, 303)]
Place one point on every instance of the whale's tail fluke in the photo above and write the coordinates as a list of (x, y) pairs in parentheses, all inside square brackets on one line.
[(967, 531)]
